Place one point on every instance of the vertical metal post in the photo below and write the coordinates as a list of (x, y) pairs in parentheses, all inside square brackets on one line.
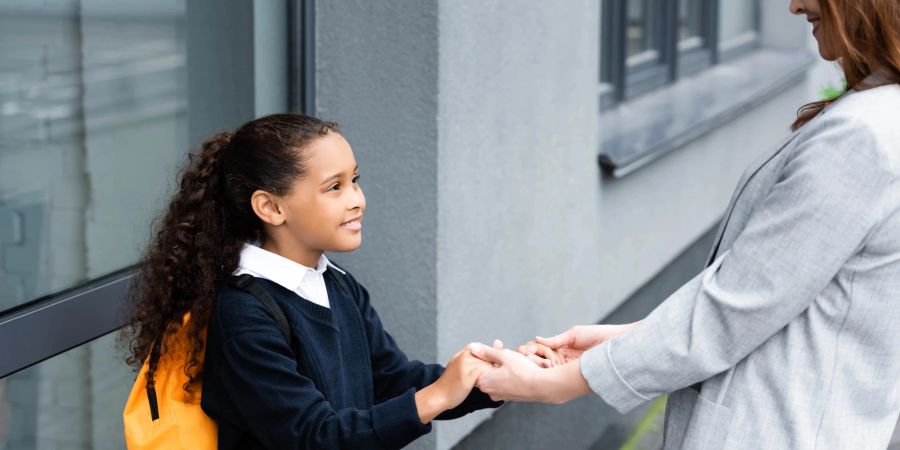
[(302, 20)]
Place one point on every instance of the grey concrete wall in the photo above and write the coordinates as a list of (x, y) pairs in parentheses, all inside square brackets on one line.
[(519, 189), (531, 238), (376, 73)]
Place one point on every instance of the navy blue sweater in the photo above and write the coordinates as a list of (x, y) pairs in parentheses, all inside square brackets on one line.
[(341, 383)]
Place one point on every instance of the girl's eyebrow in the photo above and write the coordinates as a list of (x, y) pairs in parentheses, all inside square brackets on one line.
[(338, 175)]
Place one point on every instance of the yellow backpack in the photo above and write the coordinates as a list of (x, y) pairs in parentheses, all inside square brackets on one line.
[(159, 414)]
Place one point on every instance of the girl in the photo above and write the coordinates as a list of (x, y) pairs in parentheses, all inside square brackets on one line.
[(789, 338), (268, 201)]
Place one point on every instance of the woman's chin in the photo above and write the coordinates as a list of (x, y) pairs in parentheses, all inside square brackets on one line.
[(826, 55)]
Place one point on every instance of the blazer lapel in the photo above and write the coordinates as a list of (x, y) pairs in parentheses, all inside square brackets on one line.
[(760, 162), (751, 170)]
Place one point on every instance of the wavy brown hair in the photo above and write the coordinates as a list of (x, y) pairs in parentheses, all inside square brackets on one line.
[(198, 240), (865, 37)]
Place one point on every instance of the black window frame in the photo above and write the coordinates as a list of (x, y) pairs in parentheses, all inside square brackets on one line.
[(54, 324), (621, 81)]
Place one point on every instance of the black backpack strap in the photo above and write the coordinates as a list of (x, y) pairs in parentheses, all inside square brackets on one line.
[(153, 362), (247, 283), (340, 275)]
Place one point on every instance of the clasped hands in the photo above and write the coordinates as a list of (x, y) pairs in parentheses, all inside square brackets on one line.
[(546, 370)]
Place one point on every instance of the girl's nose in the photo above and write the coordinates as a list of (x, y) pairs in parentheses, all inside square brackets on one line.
[(358, 200), (796, 7)]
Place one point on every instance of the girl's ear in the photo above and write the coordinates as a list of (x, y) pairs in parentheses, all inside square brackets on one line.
[(266, 207)]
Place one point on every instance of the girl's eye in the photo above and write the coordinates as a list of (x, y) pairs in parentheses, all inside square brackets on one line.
[(356, 179), (334, 187)]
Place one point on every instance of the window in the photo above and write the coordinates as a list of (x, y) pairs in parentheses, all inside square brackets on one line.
[(99, 101), (738, 27), (646, 44), (687, 100)]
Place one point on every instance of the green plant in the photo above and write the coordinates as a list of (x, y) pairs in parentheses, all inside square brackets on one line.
[(650, 423), (830, 92)]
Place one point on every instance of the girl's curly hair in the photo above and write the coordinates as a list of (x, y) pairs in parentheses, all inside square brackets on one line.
[(197, 243)]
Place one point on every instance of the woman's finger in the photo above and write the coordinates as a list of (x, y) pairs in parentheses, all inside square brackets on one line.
[(564, 339)]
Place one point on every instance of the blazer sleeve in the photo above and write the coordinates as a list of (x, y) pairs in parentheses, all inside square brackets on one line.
[(253, 383), (394, 373), (815, 217)]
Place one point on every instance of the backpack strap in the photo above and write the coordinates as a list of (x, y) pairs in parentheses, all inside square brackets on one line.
[(247, 283), (153, 361), (340, 276), (243, 282)]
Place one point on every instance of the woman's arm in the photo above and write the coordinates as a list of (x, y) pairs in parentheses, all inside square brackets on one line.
[(817, 215), (814, 218)]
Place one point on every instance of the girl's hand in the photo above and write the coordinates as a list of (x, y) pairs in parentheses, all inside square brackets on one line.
[(453, 386)]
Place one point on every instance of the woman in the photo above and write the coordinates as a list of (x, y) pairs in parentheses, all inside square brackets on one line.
[(789, 338)]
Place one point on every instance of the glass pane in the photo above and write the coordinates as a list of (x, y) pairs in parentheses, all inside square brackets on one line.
[(92, 125), (736, 17), (690, 22), (71, 401), (643, 28)]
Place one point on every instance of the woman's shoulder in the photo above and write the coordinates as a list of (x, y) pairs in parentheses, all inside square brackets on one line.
[(871, 112), (864, 122)]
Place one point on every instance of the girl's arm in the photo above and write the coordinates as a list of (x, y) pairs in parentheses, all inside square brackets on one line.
[(393, 372)]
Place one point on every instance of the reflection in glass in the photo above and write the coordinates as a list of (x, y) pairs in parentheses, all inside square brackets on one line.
[(92, 125), (690, 24), (643, 30), (736, 18), (72, 401)]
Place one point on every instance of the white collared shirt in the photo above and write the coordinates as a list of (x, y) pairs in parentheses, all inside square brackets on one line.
[(304, 281)]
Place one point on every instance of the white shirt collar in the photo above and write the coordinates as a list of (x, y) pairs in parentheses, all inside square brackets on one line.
[(276, 268)]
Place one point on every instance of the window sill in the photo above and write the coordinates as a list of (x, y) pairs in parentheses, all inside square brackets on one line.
[(640, 131)]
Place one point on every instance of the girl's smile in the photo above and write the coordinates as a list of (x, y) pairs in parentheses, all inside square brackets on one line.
[(353, 225)]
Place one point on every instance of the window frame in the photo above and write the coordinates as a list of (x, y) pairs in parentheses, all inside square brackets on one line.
[(694, 59), (621, 82)]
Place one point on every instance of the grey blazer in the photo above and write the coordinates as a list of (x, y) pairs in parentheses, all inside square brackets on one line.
[(790, 339)]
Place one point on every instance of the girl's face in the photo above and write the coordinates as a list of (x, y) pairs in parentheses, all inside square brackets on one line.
[(324, 210), (813, 12)]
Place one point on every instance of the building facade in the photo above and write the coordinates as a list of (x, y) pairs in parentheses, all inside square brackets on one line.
[(528, 167)]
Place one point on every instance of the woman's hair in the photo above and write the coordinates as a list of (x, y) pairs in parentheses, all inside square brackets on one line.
[(865, 36), (197, 244)]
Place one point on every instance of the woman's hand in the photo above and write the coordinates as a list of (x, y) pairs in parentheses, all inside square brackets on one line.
[(576, 340), (516, 378), (542, 355), (453, 386)]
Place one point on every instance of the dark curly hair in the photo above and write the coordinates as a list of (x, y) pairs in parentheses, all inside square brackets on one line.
[(197, 243)]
